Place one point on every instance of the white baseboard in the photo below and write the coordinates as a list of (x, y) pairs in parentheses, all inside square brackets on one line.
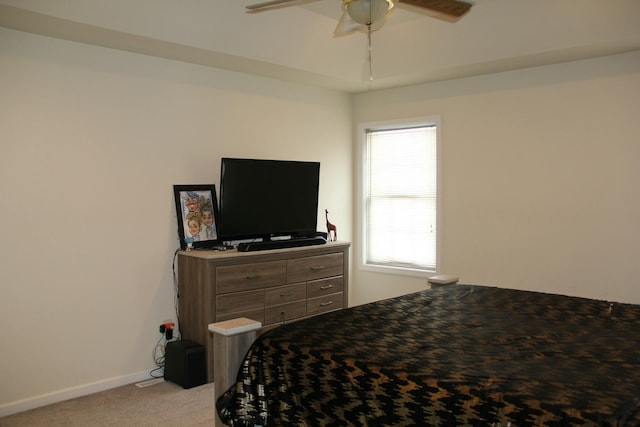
[(70, 393)]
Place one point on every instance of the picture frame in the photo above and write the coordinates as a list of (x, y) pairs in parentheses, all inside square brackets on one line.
[(197, 215)]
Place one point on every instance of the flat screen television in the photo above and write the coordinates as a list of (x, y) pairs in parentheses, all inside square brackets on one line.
[(263, 199)]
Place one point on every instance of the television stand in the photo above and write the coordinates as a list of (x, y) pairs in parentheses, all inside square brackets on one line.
[(279, 244)]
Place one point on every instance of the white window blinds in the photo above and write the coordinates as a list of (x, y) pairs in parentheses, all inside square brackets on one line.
[(401, 197)]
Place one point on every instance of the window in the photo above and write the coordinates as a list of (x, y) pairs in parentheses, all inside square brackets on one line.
[(400, 196)]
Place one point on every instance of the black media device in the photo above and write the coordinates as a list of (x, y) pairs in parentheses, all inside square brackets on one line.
[(185, 363), (272, 203)]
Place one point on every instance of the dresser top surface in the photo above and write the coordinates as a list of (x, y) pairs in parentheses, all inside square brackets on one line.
[(221, 254)]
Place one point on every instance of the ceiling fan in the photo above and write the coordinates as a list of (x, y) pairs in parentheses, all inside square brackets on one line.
[(370, 15)]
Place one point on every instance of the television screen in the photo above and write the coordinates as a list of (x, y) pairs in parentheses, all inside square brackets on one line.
[(268, 198)]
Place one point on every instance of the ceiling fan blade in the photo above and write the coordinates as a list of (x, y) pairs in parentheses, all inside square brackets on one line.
[(346, 26), (449, 10), (267, 5)]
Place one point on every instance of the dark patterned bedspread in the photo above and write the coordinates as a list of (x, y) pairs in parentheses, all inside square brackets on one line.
[(451, 356)]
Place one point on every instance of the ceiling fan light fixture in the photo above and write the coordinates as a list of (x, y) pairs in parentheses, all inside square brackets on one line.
[(368, 12)]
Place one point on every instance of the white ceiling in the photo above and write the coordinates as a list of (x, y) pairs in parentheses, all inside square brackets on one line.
[(297, 44)]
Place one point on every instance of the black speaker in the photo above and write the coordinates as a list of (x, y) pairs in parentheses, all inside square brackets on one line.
[(185, 363)]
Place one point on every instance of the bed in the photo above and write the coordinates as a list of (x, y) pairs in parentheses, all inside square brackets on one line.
[(450, 356)]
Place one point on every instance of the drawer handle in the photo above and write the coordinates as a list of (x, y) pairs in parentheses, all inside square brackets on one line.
[(325, 287), (286, 295), (318, 267), (324, 304), (252, 277)]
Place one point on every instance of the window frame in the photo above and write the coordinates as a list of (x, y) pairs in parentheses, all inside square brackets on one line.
[(362, 170)]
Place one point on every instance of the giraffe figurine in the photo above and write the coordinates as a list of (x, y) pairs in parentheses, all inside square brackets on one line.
[(330, 228)]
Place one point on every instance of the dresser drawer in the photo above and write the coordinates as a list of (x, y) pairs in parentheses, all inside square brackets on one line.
[(285, 294), (239, 301), (278, 314), (321, 287), (314, 267), (245, 277), (253, 314), (325, 303)]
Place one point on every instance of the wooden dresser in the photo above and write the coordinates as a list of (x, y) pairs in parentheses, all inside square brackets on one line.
[(272, 287)]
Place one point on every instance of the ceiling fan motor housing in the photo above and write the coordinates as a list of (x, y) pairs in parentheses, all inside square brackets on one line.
[(368, 12)]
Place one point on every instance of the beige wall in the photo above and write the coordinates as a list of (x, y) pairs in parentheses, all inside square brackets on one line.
[(541, 178), (91, 142)]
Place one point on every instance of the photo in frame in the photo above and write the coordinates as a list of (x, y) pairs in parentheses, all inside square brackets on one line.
[(197, 214)]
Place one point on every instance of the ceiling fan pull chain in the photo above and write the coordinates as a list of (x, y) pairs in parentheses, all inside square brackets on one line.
[(370, 50)]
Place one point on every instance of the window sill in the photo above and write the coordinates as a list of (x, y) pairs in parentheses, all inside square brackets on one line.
[(400, 271)]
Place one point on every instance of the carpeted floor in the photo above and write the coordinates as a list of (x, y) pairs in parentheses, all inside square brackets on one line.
[(163, 404)]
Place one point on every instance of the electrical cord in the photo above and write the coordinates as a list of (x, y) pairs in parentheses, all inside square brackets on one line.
[(159, 349), (158, 372), (159, 354), (158, 359), (176, 293)]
